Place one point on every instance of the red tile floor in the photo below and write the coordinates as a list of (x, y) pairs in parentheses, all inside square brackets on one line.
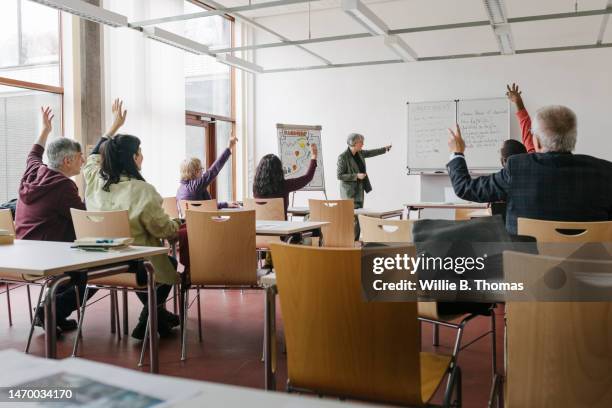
[(232, 341)]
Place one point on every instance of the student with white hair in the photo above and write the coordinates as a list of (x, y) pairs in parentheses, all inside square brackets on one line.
[(550, 184), (46, 195), (351, 171)]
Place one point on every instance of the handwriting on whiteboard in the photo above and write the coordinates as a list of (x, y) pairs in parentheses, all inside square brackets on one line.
[(482, 128), (429, 125)]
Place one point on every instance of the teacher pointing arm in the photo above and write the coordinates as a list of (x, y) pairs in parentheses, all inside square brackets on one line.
[(351, 169)]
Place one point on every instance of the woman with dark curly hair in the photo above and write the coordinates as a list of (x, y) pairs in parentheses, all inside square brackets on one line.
[(270, 180)]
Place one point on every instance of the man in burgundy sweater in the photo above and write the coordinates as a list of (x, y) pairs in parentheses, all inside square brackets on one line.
[(46, 195)]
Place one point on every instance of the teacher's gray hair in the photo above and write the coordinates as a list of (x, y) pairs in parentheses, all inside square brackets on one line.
[(353, 138), (59, 149), (556, 128)]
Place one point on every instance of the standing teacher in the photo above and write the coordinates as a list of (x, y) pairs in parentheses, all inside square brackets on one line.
[(352, 173)]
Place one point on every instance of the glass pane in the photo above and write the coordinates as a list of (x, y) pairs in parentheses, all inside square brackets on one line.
[(20, 125), (9, 42), (195, 143), (30, 42), (224, 179), (207, 82)]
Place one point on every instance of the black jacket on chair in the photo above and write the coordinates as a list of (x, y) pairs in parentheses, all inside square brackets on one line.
[(546, 186)]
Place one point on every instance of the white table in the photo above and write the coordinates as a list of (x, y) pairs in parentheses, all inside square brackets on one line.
[(51, 261), (418, 206), (22, 368), (287, 228), (376, 213)]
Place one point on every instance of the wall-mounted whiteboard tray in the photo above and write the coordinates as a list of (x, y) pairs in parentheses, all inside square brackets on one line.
[(485, 124)]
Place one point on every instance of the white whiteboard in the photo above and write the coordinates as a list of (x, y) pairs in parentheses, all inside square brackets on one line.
[(428, 124), (294, 150), (484, 123)]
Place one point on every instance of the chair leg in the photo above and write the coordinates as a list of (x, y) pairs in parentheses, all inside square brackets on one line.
[(185, 306), (175, 299), (79, 332), (199, 316), (144, 345), (493, 345), (78, 302), (435, 341), (40, 295), (29, 303), (116, 311), (126, 328), (8, 302), (113, 323), (453, 386)]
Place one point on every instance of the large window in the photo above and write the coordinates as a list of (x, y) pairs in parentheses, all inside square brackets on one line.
[(30, 77), (209, 97)]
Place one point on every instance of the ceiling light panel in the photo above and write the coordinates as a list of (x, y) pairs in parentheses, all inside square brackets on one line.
[(86, 11)]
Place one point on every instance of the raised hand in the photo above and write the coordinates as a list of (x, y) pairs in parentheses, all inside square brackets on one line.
[(388, 147), (314, 151), (361, 176), (232, 142), (47, 118), (119, 115), (456, 144), (514, 95)]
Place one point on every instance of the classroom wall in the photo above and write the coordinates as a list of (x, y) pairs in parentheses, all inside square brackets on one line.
[(372, 100)]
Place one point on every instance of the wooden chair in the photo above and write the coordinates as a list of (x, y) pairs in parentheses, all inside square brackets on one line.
[(221, 255), (469, 213), (197, 205), (106, 224), (6, 221), (339, 345), (270, 209), (340, 214), (559, 354), (170, 206), (556, 332), (381, 230)]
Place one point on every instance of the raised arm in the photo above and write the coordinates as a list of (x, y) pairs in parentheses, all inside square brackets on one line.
[(375, 152), (297, 183), (47, 119), (515, 96), (119, 115), (35, 157), (482, 189), (213, 171)]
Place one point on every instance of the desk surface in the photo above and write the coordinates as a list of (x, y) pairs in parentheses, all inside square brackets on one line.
[(446, 205), (370, 212), (264, 227), (46, 258)]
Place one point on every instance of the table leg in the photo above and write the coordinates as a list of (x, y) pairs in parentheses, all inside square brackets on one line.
[(153, 341), (50, 317), (269, 337)]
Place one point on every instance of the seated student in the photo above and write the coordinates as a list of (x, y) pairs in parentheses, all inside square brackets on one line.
[(195, 180), (551, 184), (46, 195), (113, 179), (510, 147), (270, 179)]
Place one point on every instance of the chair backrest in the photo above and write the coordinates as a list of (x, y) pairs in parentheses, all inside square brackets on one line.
[(562, 348), (340, 214), (197, 205), (337, 344), (271, 209), (102, 224), (469, 213), (170, 206), (563, 231), (6, 221), (381, 230), (222, 247), (559, 353)]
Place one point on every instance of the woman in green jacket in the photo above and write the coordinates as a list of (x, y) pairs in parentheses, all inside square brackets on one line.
[(113, 181)]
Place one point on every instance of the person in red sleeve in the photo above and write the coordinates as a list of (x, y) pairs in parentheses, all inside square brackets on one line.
[(46, 195), (514, 94)]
